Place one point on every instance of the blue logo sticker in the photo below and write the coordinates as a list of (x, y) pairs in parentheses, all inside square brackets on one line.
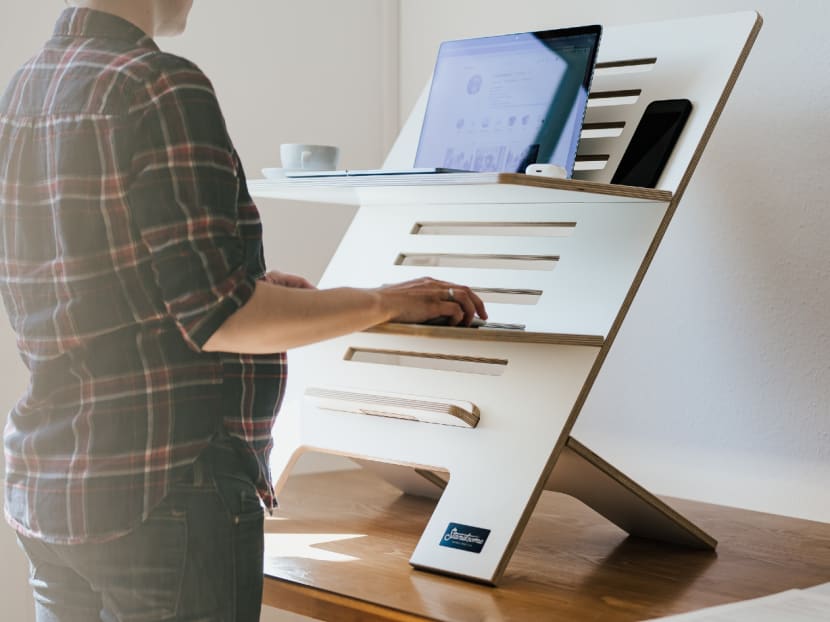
[(465, 537)]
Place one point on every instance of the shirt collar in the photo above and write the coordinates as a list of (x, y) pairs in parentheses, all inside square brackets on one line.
[(88, 23)]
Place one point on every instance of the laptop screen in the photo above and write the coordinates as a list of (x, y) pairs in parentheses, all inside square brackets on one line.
[(502, 103)]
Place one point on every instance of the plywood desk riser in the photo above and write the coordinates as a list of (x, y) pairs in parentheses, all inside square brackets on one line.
[(572, 288), (561, 360)]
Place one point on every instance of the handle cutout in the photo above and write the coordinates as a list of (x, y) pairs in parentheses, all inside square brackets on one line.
[(442, 411), (510, 229), (488, 262), (591, 162), (527, 297), (611, 129), (631, 65), (435, 362), (614, 98)]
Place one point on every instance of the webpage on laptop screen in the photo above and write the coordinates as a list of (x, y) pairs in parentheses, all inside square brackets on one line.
[(502, 103)]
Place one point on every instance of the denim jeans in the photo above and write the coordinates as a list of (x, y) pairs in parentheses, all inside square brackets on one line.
[(197, 558)]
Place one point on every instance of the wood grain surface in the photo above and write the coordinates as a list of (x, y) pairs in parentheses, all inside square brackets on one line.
[(570, 565)]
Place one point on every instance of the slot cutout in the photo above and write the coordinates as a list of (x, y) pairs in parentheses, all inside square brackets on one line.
[(507, 229), (526, 297), (591, 162), (613, 98), (434, 362), (611, 129), (484, 262), (633, 65)]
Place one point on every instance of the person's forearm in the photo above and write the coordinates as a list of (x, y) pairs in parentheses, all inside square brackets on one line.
[(276, 318)]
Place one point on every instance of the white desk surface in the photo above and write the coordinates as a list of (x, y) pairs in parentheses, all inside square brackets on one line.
[(503, 188)]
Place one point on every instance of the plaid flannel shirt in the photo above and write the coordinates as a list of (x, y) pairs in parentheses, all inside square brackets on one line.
[(128, 237)]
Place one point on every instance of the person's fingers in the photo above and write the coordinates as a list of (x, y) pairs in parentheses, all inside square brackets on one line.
[(458, 303), (275, 278), (469, 300), (479, 305), (462, 297), (288, 280), (452, 311), (301, 282)]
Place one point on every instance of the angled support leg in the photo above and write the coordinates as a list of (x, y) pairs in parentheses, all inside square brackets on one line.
[(582, 474)]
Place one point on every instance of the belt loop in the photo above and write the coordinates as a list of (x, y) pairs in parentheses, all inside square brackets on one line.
[(198, 473)]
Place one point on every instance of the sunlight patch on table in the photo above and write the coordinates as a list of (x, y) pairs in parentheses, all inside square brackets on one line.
[(304, 545)]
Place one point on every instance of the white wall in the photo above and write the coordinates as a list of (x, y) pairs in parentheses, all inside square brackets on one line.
[(718, 386), (22, 29), (311, 71)]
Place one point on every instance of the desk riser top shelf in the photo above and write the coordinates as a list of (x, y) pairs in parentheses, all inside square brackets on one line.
[(465, 188)]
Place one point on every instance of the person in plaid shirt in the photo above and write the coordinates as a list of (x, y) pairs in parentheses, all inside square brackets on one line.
[(132, 271)]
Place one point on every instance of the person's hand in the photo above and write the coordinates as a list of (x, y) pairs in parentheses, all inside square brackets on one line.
[(287, 280), (428, 299)]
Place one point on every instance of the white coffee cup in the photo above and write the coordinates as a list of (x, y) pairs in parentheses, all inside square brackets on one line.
[(303, 157)]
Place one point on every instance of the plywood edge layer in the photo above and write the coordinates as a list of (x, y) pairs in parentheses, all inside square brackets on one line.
[(396, 406), (487, 334), (591, 187), (309, 600)]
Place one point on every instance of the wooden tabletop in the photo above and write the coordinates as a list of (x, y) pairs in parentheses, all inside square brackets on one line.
[(338, 549)]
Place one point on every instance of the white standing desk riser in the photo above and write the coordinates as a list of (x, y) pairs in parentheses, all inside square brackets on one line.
[(481, 418)]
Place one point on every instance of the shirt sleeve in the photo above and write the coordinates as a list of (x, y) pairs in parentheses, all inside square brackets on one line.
[(183, 199)]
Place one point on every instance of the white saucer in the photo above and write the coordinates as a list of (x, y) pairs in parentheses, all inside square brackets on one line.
[(274, 173)]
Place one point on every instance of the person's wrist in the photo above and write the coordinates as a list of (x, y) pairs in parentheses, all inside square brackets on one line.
[(383, 305)]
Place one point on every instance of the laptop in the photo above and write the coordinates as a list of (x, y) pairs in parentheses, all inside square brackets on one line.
[(500, 104)]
